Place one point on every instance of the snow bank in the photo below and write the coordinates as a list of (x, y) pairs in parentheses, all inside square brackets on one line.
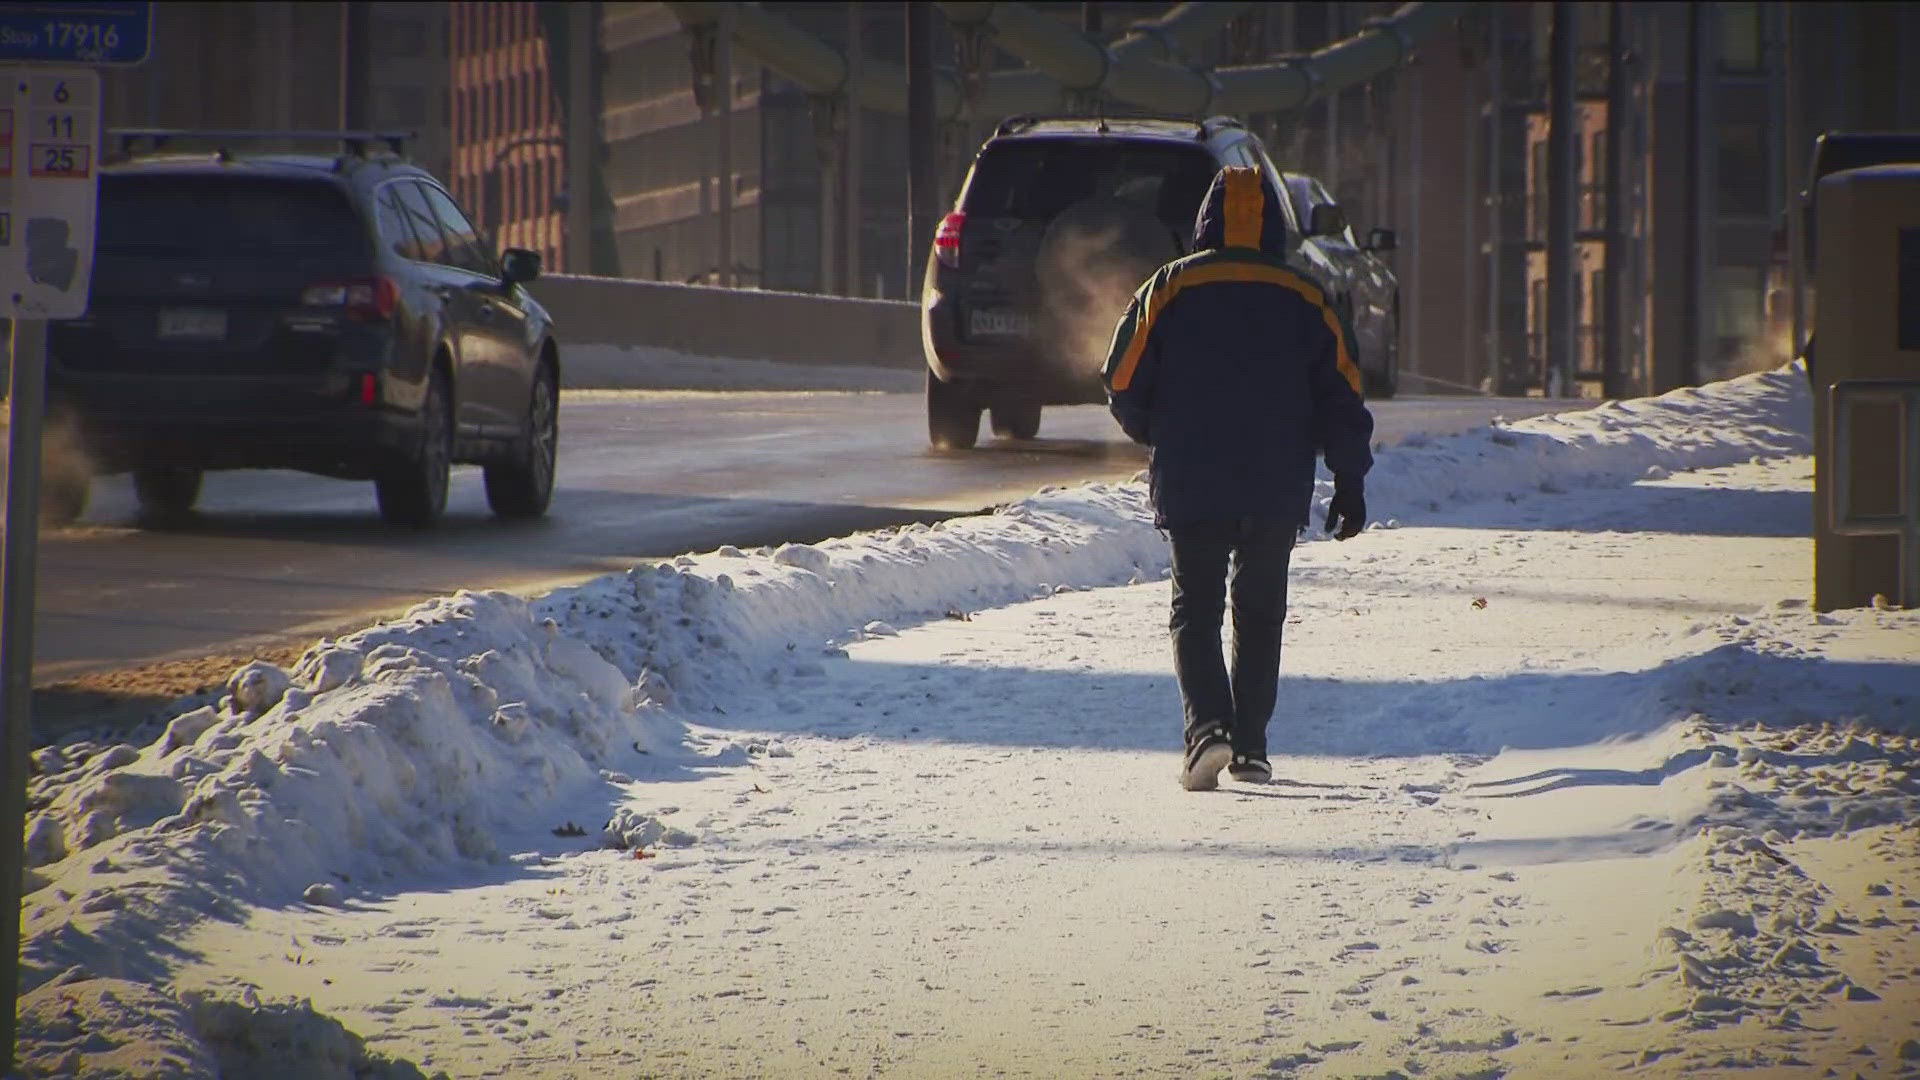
[(110, 1029), (1769, 414), (413, 744)]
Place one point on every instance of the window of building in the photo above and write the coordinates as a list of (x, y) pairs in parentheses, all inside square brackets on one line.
[(1595, 319), (1740, 295), (1593, 194), (1538, 184), (1742, 179), (401, 107), (1741, 41), (401, 39)]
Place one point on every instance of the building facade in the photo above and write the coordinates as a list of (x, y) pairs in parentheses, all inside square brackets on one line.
[(509, 157), (305, 66), (612, 140)]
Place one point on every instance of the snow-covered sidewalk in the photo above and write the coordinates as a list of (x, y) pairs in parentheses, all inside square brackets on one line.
[(1569, 779)]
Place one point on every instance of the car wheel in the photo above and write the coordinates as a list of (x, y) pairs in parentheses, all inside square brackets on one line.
[(166, 494), (523, 487), (66, 477), (413, 490), (1381, 385), (953, 415), (63, 494), (1016, 420), (1387, 383)]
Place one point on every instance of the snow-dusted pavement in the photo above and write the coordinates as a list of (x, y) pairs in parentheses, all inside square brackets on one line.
[(1570, 780)]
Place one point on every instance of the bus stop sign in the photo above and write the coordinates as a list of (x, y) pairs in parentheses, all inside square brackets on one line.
[(90, 32)]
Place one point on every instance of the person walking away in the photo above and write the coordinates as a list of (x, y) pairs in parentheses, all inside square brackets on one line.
[(1235, 370)]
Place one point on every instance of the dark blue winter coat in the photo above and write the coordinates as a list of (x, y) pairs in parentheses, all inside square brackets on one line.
[(1236, 370)]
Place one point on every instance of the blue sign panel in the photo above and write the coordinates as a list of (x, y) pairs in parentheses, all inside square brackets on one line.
[(76, 32)]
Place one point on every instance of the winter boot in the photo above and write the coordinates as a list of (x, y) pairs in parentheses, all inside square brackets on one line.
[(1250, 768), (1208, 751)]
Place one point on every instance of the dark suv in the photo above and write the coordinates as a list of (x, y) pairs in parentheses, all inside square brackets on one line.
[(1060, 220), (332, 313)]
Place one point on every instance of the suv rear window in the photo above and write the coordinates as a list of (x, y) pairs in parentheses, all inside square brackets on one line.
[(226, 215), (1037, 179)]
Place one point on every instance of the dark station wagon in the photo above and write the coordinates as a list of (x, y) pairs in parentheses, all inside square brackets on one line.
[(334, 313)]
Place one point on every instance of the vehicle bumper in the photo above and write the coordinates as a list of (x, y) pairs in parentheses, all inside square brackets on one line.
[(289, 401), (1001, 365), (344, 439)]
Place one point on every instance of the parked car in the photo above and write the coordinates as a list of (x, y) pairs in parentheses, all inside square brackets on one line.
[(1362, 281), (1060, 219), (335, 313)]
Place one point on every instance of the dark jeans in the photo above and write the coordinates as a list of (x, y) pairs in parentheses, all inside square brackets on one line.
[(1250, 557)]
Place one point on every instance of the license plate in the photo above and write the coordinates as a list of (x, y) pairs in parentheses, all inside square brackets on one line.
[(996, 323), (193, 324)]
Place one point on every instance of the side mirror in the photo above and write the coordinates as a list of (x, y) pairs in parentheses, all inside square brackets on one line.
[(519, 266), (1382, 240), (1327, 219)]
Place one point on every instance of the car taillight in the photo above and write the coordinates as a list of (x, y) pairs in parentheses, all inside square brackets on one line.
[(362, 299), (369, 389), (946, 239)]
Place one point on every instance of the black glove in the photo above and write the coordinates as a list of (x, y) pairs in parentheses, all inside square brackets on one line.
[(1347, 513)]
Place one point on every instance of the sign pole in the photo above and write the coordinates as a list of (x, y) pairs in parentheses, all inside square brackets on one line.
[(49, 172), (26, 398), (50, 125)]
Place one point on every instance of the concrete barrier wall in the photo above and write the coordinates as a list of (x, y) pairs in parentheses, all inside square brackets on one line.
[(740, 324)]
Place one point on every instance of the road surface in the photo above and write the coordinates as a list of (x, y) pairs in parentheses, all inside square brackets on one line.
[(279, 558)]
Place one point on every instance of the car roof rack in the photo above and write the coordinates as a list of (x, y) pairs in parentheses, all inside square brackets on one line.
[(127, 140), (1201, 128)]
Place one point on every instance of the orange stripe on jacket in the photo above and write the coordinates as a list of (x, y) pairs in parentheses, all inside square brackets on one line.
[(1220, 272), (1246, 205)]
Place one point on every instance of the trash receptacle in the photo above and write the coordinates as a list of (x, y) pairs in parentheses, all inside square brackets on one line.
[(1867, 393)]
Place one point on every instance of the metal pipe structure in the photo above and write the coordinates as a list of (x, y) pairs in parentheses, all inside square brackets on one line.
[(923, 163), (1698, 235), (577, 119), (1138, 69), (1793, 161), (1561, 204), (1379, 47), (1613, 298), (1496, 196), (1164, 37), (355, 62), (851, 156), (1132, 78), (1081, 64), (723, 166), (1053, 47), (819, 68), (26, 411)]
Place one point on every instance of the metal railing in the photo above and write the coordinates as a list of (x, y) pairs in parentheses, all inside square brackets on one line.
[(1904, 395)]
